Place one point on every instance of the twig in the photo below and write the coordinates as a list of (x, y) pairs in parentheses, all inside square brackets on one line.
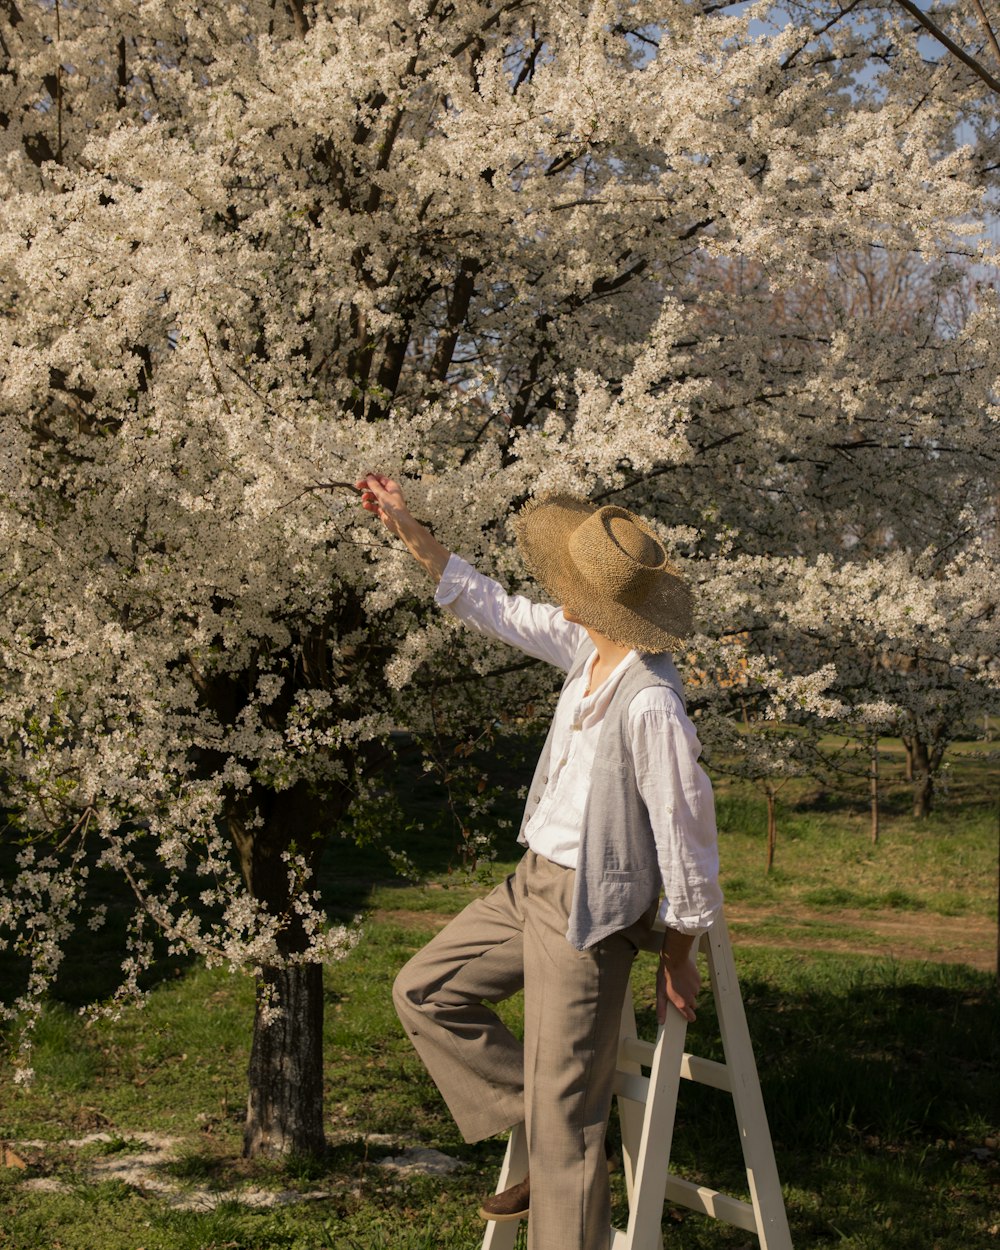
[(81, 826), (215, 377), (318, 486), (59, 91)]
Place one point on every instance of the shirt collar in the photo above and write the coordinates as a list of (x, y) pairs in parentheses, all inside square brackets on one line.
[(610, 682)]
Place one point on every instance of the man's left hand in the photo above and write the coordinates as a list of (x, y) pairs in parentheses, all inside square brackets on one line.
[(677, 981)]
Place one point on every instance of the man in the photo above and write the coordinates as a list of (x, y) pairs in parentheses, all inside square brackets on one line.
[(618, 811)]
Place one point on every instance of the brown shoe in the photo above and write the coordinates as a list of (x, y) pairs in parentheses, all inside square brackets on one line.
[(513, 1203), (509, 1204)]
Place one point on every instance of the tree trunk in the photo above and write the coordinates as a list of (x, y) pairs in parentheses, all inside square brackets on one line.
[(285, 1099), (285, 1102), (923, 778), (925, 750), (772, 828), (923, 795), (908, 748)]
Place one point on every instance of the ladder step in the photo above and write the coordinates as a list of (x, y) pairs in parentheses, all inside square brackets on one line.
[(711, 1202), (693, 1067), (629, 1085), (699, 1198)]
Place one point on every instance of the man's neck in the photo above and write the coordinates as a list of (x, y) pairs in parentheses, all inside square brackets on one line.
[(608, 652), (609, 656)]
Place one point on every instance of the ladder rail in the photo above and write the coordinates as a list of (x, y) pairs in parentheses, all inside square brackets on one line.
[(748, 1101), (652, 1160)]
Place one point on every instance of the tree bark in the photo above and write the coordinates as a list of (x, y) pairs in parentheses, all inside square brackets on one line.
[(923, 791), (285, 1099), (922, 777), (285, 1102), (923, 758), (772, 828)]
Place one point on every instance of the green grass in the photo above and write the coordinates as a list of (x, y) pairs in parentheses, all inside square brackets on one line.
[(878, 1077), (824, 858), (879, 1074)]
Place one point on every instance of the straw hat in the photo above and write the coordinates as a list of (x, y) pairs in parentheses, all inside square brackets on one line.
[(608, 567)]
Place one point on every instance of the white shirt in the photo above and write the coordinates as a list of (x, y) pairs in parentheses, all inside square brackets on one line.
[(665, 749)]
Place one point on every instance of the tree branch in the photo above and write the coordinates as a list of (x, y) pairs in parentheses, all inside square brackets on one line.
[(988, 28), (786, 63), (969, 61), (299, 14), (122, 84), (492, 20), (458, 308)]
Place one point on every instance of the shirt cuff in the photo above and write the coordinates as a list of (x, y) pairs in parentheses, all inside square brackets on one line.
[(453, 581), (691, 927)]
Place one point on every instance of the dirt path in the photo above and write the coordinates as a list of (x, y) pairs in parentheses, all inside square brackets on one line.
[(894, 934), (968, 940)]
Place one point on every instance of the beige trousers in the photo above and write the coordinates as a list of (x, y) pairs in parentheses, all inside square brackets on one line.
[(559, 1081)]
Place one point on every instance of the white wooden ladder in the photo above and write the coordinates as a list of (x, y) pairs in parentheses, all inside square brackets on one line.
[(647, 1105)]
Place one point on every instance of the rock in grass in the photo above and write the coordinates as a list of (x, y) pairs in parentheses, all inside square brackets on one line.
[(420, 1160)]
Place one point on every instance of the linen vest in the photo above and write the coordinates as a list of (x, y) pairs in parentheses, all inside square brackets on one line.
[(618, 875)]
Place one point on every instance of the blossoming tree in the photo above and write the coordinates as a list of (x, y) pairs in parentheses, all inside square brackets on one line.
[(891, 597), (250, 250)]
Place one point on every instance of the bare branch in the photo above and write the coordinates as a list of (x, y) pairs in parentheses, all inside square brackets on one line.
[(970, 61), (988, 28), (301, 21)]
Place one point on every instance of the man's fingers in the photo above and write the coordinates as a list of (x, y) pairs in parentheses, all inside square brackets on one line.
[(368, 479), (677, 986), (373, 492), (686, 1010), (378, 489), (661, 996)]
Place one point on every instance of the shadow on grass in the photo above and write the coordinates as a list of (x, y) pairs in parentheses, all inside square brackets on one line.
[(879, 1081)]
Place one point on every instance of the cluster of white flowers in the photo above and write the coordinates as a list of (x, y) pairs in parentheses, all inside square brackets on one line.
[(250, 251)]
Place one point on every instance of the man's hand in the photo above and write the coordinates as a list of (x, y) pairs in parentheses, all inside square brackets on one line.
[(678, 980), (384, 497)]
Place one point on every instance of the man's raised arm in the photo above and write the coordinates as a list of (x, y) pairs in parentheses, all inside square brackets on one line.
[(381, 495)]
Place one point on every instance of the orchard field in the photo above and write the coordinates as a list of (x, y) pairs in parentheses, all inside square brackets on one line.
[(730, 266)]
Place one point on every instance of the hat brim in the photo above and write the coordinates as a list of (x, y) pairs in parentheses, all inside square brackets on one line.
[(656, 623)]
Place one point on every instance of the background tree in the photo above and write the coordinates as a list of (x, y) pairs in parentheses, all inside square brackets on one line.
[(247, 251), (893, 666)]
